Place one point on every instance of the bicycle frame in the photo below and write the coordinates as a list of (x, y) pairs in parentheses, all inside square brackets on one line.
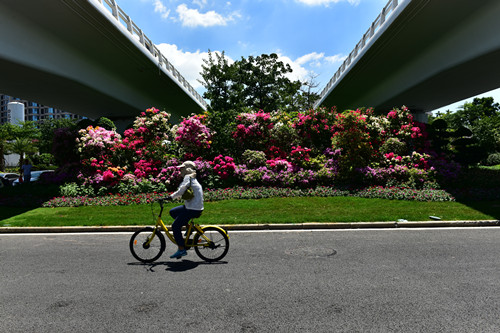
[(191, 228)]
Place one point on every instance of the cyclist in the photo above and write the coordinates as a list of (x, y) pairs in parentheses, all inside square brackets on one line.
[(192, 208)]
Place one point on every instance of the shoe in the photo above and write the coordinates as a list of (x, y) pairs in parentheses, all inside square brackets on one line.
[(179, 254)]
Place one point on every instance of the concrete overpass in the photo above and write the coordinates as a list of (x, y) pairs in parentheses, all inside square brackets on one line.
[(87, 57), (424, 54)]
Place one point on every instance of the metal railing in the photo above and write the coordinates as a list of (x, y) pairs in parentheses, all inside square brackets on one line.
[(163, 62), (381, 18)]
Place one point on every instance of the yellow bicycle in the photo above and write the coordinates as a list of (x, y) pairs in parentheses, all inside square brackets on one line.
[(211, 243)]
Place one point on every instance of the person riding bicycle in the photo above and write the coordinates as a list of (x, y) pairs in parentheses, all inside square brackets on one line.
[(192, 208)]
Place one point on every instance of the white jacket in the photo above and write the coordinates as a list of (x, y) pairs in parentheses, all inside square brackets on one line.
[(197, 202)]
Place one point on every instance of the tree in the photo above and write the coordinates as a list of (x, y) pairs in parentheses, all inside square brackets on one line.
[(219, 80), (258, 83), (265, 85), (482, 119), (22, 146), (47, 130), (308, 96), (24, 132), (6, 133)]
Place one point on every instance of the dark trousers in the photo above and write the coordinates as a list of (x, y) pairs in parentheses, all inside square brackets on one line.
[(181, 216)]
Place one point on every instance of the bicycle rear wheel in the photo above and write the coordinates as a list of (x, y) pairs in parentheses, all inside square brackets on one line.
[(213, 250), (143, 251)]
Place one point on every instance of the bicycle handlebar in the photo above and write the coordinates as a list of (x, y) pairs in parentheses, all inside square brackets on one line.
[(161, 201)]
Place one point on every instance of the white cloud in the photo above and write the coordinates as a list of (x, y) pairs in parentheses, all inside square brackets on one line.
[(193, 18), (335, 59), (200, 3), (299, 72), (187, 63), (301, 66), (161, 9), (313, 58), (326, 2)]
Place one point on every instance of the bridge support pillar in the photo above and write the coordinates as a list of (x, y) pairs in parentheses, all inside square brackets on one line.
[(122, 123), (420, 116)]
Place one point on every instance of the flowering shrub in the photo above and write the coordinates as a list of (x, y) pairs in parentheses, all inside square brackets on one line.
[(352, 137), (394, 145), (193, 135), (402, 126), (153, 125), (253, 158), (276, 149), (415, 160), (64, 146), (316, 127), (98, 151), (223, 166), (445, 170), (148, 139), (283, 135), (299, 156), (253, 129), (275, 152), (97, 142)]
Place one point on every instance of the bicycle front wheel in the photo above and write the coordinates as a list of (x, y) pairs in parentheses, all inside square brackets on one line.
[(144, 248), (213, 249)]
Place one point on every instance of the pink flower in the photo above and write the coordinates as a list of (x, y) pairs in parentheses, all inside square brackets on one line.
[(108, 176)]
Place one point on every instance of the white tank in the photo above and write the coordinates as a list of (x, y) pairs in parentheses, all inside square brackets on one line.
[(16, 112)]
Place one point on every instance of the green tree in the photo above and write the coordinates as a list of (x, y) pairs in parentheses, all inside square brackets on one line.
[(6, 133), (22, 146), (257, 83), (219, 79), (265, 85), (13, 138), (308, 96), (482, 118), (47, 130)]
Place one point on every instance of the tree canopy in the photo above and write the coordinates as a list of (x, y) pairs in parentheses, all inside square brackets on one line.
[(477, 123), (258, 83)]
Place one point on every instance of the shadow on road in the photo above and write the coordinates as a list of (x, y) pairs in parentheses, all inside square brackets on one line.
[(175, 266)]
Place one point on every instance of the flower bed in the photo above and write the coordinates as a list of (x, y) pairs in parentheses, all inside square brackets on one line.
[(279, 150), (256, 193)]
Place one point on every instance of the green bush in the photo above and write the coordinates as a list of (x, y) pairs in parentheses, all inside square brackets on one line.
[(254, 158), (75, 190), (493, 159), (106, 123), (46, 159), (394, 145), (84, 123)]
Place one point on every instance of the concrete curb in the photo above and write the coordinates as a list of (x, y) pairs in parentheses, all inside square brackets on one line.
[(256, 227)]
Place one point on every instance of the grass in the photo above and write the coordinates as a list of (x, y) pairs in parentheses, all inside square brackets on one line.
[(274, 210)]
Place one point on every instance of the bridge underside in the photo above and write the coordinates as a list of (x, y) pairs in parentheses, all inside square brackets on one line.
[(433, 54), (63, 53)]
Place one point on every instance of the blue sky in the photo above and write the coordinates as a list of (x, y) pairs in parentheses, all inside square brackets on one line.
[(313, 36)]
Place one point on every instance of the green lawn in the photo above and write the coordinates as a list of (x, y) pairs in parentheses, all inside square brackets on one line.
[(275, 210)]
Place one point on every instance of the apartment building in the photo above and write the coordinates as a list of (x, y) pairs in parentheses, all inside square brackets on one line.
[(33, 111)]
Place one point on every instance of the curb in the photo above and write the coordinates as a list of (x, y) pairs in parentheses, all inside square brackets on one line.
[(257, 227)]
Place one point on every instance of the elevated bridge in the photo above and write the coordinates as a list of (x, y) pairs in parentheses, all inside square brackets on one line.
[(89, 58), (424, 54)]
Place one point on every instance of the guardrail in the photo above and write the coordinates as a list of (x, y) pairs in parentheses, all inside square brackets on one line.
[(136, 32), (381, 18)]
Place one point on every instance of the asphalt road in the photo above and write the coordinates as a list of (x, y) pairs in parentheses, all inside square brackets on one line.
[(434, 280)]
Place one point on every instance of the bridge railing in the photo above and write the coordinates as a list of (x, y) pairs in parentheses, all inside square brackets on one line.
[(377, 23), (137, 33)]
